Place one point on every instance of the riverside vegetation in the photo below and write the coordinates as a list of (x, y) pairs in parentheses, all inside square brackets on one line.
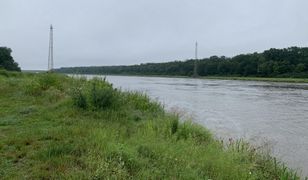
[(58, 127), (280, 64)]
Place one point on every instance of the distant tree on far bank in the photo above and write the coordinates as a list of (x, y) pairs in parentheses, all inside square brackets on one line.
[(288, 62), (6, 60)]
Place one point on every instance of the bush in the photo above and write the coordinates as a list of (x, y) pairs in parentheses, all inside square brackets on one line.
[(101, 96), (79, 99), (33, 88), (142, 102), (47, 80), (6, 73), (6, 60), (53, 94), (95, 94), (188, 130), (42, 82)]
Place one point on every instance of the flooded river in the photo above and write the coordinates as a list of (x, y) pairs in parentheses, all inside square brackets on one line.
[(273, 114)]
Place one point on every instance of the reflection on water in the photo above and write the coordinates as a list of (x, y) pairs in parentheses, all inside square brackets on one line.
[(276, 113)]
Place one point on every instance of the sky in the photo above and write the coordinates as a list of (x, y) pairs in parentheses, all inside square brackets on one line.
[(122, 32)]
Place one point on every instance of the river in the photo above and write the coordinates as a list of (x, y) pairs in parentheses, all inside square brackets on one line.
[(268, 114)]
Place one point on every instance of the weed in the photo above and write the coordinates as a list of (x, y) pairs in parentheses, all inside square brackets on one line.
[(47, 80), (4, 73), (119, 135), (79, 99), (174, 125), (102, 96), (53, 95), (32, 88), (146, 152)]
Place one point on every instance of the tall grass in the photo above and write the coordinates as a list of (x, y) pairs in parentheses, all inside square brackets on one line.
[(97, 94), (55, 127)]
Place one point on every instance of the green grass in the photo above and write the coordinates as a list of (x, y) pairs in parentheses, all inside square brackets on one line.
[(47, 132)]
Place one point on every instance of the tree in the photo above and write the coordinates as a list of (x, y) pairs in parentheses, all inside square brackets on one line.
[(300, 68), (6, 60), (266, 68), (285, 62)]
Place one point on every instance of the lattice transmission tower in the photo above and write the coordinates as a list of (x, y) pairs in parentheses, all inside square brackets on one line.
[(50, 53), (196, 61)]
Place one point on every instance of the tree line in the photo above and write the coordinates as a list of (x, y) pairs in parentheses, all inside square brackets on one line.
[(287, 62), (6, 60)]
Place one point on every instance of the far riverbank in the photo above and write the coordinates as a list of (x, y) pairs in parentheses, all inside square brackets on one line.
[(265, 79)]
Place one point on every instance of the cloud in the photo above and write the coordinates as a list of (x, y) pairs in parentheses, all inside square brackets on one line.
[(108, 32)]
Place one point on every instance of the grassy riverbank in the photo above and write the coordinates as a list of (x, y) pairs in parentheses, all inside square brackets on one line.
[(56, 127)]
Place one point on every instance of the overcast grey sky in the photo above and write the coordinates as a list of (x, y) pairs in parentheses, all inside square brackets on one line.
[(114, 32)]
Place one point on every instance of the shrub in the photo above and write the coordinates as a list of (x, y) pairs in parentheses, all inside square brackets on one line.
[(6, 73), (142, 102), (189, 130), (47, 80), (53, 95), (33, 88), (79, 99), (95, 94), (42, 82), (101, 97)]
